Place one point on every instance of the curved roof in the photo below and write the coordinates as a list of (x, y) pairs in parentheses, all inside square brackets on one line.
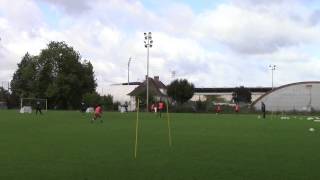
[(230, 89), (284, 86)]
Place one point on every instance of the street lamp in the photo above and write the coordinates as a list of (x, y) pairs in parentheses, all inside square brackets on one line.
[(148, 44), (128, 68), (272, 68)]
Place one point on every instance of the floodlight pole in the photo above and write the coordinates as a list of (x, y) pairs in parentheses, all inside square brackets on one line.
[(272, 68), (147, 44), (148, 79)]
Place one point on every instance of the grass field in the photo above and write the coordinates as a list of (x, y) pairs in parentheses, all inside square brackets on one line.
[(64, 145)]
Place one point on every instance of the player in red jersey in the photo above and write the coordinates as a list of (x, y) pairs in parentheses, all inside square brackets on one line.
[(237, 108), (97, 113)]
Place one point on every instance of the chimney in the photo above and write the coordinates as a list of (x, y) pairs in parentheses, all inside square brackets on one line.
[(156, 78)]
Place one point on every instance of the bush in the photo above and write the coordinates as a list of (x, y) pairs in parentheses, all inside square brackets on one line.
[(107, 102), (201, 106), (116, 106)]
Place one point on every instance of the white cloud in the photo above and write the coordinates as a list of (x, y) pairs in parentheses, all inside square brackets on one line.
[(230, 45), (253, 31), (23, 15), (71, 6)]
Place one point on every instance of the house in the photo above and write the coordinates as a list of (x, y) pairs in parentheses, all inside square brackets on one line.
[(157, 90)]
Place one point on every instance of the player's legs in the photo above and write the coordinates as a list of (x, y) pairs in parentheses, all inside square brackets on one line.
[(98, 115), (95, 117)]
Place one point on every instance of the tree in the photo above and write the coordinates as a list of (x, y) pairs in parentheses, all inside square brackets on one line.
[(4, 96), (57, 74), (241, 94), (180, 90), (88, 81), (23, 83), (92, 99)]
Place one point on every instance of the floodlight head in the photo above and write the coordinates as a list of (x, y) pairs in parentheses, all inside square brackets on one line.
[(151, 41), (149, 33), (145, 34), (145, 46), (150, 45), (145, 42)]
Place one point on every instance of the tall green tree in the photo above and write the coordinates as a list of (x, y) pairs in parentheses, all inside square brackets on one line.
[(180, 90), (58, 75), (23, 82), (88, 80)]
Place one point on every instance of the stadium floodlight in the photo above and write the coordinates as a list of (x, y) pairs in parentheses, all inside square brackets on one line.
[(148, 44), (272, 68)]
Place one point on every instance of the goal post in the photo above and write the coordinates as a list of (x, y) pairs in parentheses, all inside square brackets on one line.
[(33, 101)]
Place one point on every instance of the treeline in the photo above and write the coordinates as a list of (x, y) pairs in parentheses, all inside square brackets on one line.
[(57, 74)]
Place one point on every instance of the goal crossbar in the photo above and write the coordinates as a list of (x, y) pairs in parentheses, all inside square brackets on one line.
[(41, 99)]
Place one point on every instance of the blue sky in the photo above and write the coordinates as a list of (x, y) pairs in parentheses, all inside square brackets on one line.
[(50, 15), (196, 5), (211, 43)]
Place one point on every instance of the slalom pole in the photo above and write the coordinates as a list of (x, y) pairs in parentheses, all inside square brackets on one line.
[(169, 127), (137, 127)]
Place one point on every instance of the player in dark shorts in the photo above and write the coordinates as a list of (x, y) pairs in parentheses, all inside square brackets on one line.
[(38, 108), (263, 109), (160, 107)]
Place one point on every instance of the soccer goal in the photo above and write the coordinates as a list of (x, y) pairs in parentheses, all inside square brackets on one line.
[(31, 103)]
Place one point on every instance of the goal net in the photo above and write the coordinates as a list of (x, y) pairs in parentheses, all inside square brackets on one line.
[(27, 104)]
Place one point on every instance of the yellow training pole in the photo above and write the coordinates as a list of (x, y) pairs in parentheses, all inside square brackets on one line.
[(169, 128), (137, 127)]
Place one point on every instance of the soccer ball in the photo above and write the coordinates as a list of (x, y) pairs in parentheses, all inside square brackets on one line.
[(259, 117), (311, 129)]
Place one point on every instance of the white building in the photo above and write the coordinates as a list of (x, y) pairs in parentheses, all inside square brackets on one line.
[(301, 96), (120, 93), (226, 93), (126, 94)]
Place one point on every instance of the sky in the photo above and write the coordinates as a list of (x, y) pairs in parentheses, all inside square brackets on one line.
[(221, 43)]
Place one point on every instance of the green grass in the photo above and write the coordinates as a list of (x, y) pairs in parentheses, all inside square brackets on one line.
[(64, 145)]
